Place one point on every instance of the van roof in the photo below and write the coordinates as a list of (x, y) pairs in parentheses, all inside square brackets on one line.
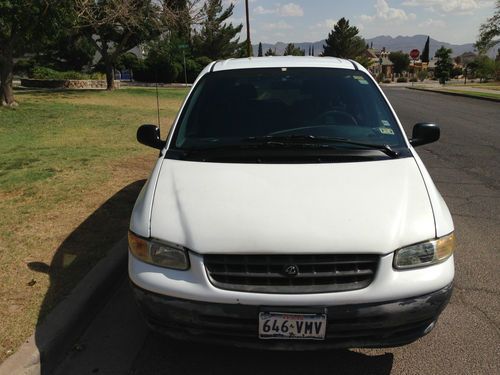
[(284, 62)]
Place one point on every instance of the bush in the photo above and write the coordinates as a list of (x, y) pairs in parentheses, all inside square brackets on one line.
[(413, 79), (97, 76), (24, 67), (402, 79), (486, 68), (456, 72), (387, 81), (379, 77), (422, 74), (41, 72)]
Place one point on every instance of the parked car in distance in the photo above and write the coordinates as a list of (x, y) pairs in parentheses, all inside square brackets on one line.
[(288, 210)]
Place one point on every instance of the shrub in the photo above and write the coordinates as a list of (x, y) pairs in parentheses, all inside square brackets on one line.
[(413, 79), (402, 79), (387, 81), (379, 77), (97, 75), (456, 72), (41, 72), (24, 67), (422, 74)]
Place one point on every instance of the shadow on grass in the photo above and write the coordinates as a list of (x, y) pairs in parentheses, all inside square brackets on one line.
[(163, 356), (79, 252), (50, 91)]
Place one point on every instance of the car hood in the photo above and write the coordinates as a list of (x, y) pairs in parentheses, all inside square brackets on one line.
[(364, 207)]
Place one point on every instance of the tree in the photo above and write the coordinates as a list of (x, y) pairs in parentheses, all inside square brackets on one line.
[(116, 26), (182, 22), (291, 50), (364, 60), (129, 61), (456, 71), (217, 39), (242, 50), (163, 62), (343, 41), (489, 32), (444, 64), (425, 53), (422, 75), (485, 67), (24, 25), (260, 50), (70, 50), (400, 60), (270, 52)]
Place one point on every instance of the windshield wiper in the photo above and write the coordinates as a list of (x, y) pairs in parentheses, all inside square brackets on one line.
[(276, 139)]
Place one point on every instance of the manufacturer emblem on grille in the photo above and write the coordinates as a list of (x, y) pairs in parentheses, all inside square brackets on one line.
[(291, 270)]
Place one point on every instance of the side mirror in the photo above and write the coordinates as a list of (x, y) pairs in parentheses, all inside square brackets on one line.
[(149, 135), (424, 133)]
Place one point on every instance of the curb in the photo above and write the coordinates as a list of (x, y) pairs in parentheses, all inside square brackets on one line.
[(56, 335), (455, 94)]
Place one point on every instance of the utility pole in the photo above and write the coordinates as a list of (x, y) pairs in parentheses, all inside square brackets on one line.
[(249, 43)]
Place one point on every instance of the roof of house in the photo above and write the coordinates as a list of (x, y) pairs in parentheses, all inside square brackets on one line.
[(371, 52)]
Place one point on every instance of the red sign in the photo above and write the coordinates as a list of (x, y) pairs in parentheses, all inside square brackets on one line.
[(414, 54)]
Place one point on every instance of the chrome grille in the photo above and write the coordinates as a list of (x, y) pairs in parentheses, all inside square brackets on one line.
[(272, 274)]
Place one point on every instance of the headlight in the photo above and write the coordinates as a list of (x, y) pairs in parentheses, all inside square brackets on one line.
[(425, 253), (158, 253)]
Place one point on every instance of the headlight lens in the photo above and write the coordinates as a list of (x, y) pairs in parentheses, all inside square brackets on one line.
[(425, 253), (158, 253)]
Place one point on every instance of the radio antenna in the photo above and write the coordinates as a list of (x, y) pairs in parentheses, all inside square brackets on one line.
[(157, 99)]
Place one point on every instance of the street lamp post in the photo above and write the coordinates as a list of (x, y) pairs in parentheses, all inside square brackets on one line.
[(249, 43)]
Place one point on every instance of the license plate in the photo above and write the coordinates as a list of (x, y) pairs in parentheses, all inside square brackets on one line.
[(275, 325)]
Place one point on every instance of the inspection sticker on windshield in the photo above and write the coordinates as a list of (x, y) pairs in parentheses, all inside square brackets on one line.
[(274, 325), (386, 131), (361, 79), (385, 123)]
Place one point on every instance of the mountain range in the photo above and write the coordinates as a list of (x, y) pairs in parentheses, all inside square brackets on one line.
[(399, 43)]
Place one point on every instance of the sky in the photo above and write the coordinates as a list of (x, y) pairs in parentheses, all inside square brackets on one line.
[(453, 21)]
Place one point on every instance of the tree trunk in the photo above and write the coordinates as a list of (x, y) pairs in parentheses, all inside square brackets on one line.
[(110, 77), (6, 77)]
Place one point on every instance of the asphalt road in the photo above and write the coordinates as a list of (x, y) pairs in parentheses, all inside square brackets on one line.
[(465, 165)]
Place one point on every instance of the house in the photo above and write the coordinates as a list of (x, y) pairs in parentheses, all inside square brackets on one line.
[(381, 64)]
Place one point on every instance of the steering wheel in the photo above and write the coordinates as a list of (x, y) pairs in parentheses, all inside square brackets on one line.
[(338, 117)]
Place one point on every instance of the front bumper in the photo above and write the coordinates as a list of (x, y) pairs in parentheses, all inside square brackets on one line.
[(382, 324)]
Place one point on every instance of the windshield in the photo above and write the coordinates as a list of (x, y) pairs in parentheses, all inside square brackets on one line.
[(291, 106)]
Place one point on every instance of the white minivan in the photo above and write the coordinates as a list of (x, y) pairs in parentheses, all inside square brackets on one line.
[(288, 210)]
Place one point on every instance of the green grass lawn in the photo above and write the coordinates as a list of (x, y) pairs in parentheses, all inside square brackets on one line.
[(63, 154), (455, 89), (491, 85), (488, 85), (476, 93)]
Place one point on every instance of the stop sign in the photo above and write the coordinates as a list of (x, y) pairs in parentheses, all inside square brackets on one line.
[(414, 54)]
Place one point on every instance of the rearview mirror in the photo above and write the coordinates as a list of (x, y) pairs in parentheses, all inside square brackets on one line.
[(424, 133), (149, 135)]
